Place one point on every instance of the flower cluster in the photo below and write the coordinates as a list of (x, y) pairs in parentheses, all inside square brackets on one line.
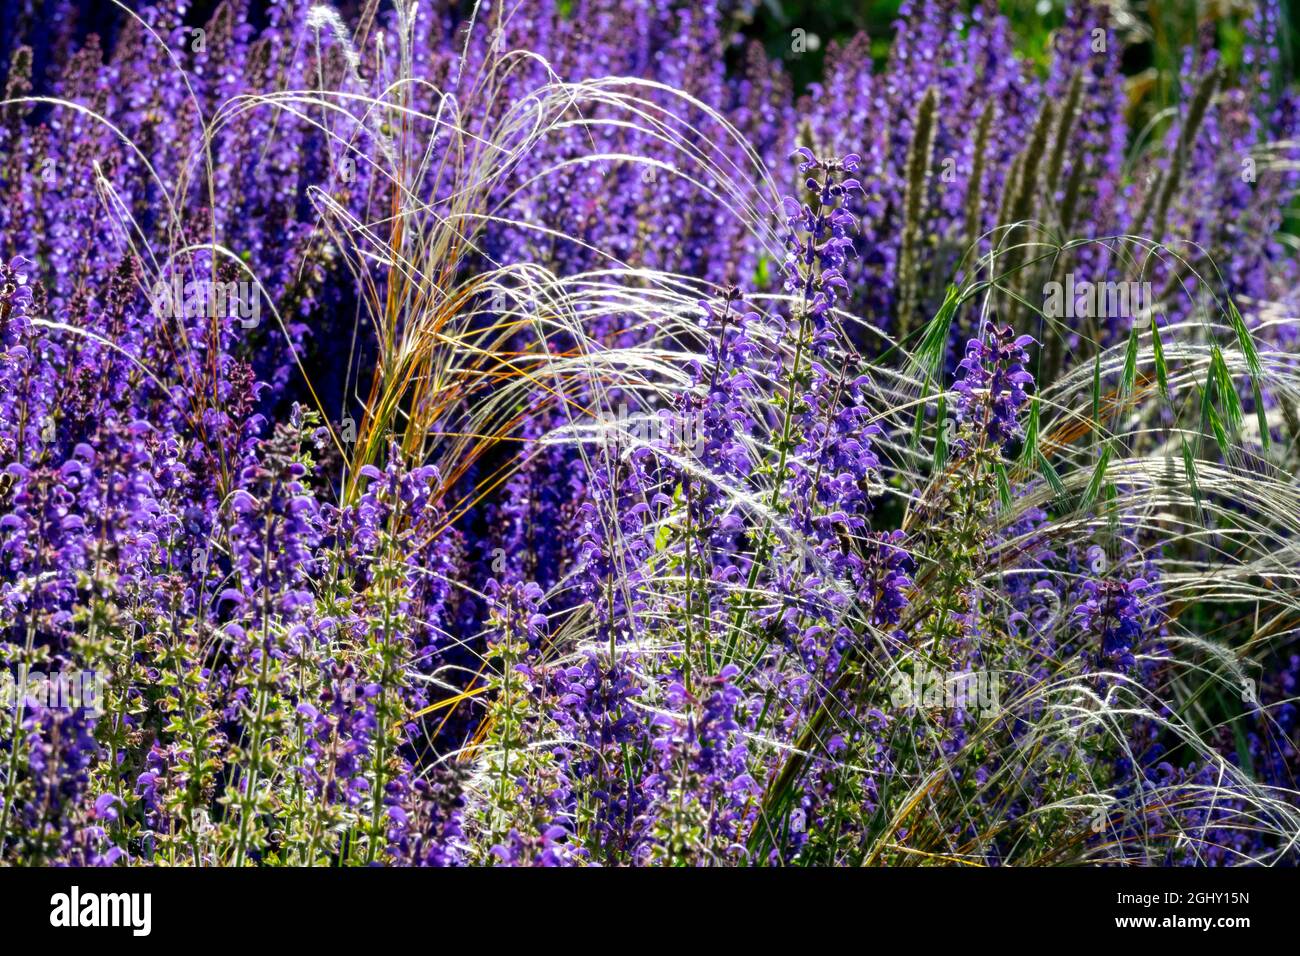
[(366, 574), (991, 389)]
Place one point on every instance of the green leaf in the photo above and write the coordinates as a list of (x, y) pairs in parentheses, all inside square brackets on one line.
[(1189, 469), (928, 358), (1215, 422), (941, 438), (1004, 487), (1260, 414), (1247, 346), (1051, 476), (1244, 340), (1098, 476), (1130, 366), (1029, 453), (918, 422), (1226, 390), (1096, 397), (663, 536), (1162, 369)]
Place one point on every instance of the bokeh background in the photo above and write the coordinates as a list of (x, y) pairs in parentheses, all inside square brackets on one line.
[(1155, 32), (1154, 29)]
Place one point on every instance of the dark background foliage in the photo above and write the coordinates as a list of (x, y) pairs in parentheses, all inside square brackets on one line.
[(1155, 29)]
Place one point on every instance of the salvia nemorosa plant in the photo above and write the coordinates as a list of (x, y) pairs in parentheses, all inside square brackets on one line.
[(533, 435)]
